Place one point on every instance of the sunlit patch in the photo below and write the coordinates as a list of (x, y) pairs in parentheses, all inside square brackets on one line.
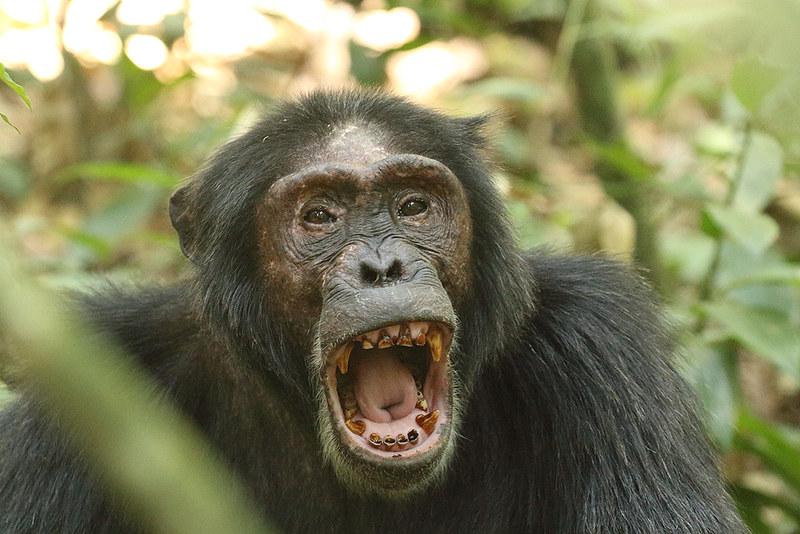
[(436, 66), (35, 49), (146, 51), (384, 30), (146, 12), (227, 28), (27, 11)]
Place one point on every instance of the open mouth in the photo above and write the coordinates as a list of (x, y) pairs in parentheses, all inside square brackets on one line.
[(389, 389)]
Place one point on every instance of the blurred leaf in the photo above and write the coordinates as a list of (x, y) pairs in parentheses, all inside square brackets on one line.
[(531, 231), (710, 227), (119, 171), (776, 446), (622, 158), (762, 168), (124, 215), (6, 78), (688, 254), (141, 87), (752, 503), (710, 378), (785, 274), (5, 119), (155, 460), (768, 333), (520, 90), (368, 66), (718, 140), (100, 247), (752, 80), (14, 180), (754, 231)]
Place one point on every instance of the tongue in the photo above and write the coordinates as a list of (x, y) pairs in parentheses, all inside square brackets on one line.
[(384, 387)]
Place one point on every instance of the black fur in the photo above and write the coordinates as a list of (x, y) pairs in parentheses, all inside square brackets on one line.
[(576, 421)]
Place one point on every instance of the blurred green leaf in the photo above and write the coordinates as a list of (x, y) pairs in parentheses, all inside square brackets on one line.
[(785, 274), (531, 232), (14, 180), (520, 90), (6, 78), (769, 333), (688, 254), (100, 247), (717, 139), (123, 215), (752, 503), (622, 158), (154, 459), (366, 65), (754, 231), (709, 376), (5, 119), (778, 447), (762, 168), (752, 80), (120, 171)]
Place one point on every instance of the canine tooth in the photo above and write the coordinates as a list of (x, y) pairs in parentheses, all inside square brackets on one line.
[(402, 440), (375, 440), (413, 436), (344, 359), (356, 427), (404, 338), (420, 341), (385, 341), (428, 421), (365, 344), (435, 341)]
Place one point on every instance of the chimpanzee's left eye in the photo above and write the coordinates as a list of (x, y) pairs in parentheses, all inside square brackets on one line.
[(318, 216), (412, 207)]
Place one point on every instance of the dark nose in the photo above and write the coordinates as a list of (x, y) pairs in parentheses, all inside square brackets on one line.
[(381, 270)]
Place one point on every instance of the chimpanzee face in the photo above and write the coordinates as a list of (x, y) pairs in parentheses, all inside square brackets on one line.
[(367, 254)]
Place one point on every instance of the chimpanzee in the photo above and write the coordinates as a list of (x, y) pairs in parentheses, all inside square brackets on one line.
[(365, 345)]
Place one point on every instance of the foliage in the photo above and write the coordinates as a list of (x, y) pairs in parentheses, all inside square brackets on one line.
[(703, 162), (6, 78), (151, 456)]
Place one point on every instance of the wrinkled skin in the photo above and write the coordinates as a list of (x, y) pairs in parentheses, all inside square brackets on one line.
[(355, 246), (363, 342)]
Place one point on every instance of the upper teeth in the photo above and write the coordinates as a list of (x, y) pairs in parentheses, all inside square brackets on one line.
[(421, 333)]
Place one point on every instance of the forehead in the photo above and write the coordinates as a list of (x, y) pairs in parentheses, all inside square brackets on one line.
[(352, 144), (351, 179)]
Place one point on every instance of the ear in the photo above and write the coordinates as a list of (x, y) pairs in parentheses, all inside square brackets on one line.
[(477, 128), (183, 221)]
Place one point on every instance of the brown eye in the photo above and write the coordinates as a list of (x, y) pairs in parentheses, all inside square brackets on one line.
[(412, 207), (318, 216)]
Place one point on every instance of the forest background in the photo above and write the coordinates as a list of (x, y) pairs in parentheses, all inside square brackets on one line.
[(661, 132)]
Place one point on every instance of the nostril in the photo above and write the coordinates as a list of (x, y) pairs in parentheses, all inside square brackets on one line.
[(369, 275), (394, 272), (379, 272)]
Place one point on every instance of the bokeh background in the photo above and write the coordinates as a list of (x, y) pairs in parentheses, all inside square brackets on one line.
[(661, 132)]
